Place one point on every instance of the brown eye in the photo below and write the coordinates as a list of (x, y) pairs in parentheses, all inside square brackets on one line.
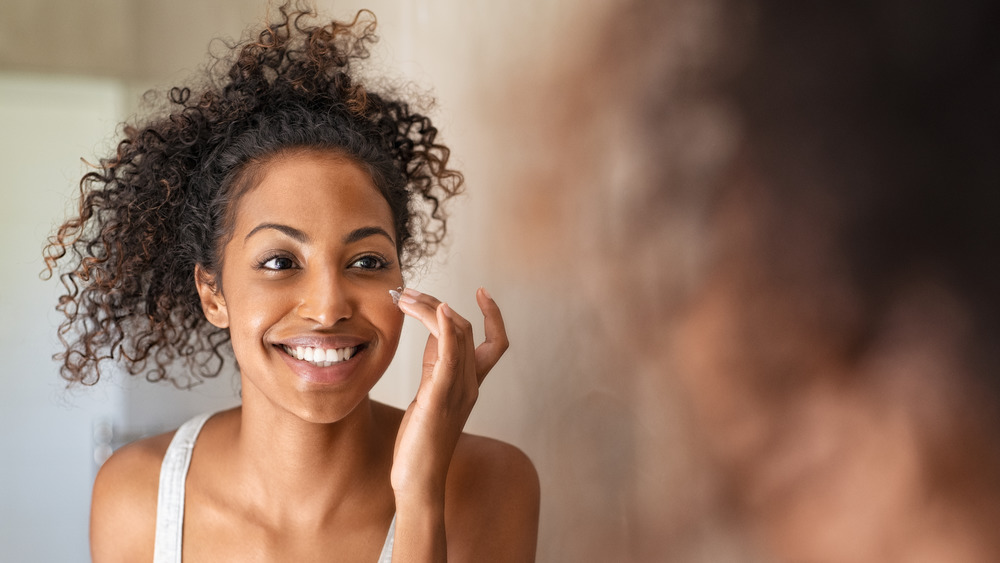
[(369, 263), (277, 263)]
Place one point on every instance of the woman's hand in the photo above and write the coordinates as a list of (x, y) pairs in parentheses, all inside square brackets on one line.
[(453, 369)]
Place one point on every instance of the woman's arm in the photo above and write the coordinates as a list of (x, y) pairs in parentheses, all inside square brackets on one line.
[(490, 512), (123, 505), (427, 448), (492, 502)]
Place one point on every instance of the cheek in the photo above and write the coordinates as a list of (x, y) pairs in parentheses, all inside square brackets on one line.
[(385, 315), (246, 329), (252, 310)]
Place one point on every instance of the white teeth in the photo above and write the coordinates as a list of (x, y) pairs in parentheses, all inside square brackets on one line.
[(320, 356)]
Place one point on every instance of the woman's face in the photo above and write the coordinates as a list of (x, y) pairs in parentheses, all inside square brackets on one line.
[(305, 286)]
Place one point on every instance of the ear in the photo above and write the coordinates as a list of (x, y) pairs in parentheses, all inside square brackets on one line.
[(213, 304)]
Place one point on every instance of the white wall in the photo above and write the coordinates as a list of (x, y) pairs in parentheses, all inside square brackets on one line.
[(46, 449), (47, 442)]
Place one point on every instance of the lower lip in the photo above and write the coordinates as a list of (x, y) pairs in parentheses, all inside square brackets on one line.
[(329, 375)]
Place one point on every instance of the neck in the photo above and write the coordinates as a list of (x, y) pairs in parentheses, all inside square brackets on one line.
[(301, 470)]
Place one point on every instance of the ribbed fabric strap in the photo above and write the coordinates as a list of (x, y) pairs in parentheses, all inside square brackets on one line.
[(170, 499), (386, 556)]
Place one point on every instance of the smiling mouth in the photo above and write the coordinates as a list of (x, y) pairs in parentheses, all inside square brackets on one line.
[(321, 357)]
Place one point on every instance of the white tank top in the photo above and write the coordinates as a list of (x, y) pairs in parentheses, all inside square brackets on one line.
[(170, 499)]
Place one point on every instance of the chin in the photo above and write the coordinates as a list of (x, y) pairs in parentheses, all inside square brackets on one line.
[(324, 410)]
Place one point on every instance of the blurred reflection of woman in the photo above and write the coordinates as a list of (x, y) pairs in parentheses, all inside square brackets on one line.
[(798, 275), (274, 208)]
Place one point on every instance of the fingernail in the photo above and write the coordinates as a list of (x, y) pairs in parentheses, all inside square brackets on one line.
[(396, 294), (412, 292), (486, 293), (447, 310)]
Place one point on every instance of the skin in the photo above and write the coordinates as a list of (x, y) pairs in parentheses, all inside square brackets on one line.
[(309, 468)]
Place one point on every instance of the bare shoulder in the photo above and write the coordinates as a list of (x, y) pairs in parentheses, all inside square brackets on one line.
[(492, 499), (123, 506), (493, 502), (498, 466)]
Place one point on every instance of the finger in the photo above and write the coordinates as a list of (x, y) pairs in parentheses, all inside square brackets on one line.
[(449, 360), (430, 354), (465, 341), (422, 307), (488, 353)]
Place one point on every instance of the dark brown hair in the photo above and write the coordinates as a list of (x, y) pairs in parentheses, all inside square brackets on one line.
[(163, 203)]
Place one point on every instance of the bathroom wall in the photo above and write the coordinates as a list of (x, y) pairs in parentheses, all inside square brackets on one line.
[(46, 433)]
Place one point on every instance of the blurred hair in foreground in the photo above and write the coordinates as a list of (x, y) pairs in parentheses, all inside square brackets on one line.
[(785, 224)]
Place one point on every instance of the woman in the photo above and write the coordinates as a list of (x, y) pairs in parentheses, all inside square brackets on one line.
[(278, 210)]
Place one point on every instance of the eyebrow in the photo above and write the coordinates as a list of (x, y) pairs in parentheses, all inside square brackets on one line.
[(292, 232), (365, 232), (289, 231)]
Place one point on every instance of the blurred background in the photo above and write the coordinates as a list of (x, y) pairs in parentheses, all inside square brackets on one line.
[(745, 254)]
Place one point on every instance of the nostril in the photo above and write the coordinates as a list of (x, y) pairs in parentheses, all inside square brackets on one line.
[(325, 303)]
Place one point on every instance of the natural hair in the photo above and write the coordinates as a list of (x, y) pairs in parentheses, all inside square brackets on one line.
[(164, 202)]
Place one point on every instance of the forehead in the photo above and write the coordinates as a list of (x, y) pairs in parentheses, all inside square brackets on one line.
[(316, 189)]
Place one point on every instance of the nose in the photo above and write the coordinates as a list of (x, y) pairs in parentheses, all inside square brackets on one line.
[(325, 299)]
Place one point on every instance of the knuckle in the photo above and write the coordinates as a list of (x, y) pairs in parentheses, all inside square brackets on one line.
[(463, 326)]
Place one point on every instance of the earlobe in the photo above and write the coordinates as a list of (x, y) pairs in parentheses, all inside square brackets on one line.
[(213, 304)]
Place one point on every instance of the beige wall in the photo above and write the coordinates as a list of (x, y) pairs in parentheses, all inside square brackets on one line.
[(121, 39)]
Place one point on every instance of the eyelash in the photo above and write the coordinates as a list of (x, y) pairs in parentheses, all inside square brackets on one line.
[(381, 262), (262, 264)]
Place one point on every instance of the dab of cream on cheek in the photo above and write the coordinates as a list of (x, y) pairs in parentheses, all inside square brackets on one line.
[(396, 294)]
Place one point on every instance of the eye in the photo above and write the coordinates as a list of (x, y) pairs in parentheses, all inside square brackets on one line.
[(276, 263), (370, 262)]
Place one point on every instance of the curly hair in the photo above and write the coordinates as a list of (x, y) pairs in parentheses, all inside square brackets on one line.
[(165, 201)]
